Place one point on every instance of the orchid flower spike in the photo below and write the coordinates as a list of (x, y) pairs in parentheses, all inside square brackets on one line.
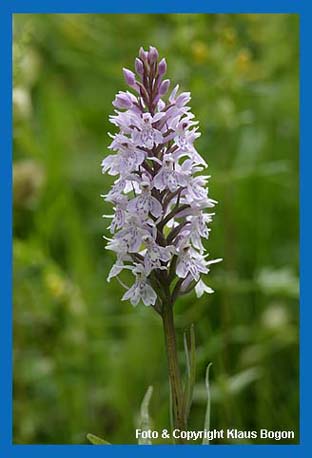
[(160, 197)]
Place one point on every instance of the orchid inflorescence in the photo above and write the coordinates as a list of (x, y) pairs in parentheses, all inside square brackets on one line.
[(160, 197)]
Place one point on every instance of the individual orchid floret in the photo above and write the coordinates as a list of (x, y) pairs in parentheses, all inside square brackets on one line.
[(124, 100), (145, 203), (127, 160), (169, 177), (132, 233), (201, 288), (141, 289), (155, 255), (190, 262), (117, 189), (146, 134), (198, 228), (119, 218), (196, 189), (120, 248), (183, 137)]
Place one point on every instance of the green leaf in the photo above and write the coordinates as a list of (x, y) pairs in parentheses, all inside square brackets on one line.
[(190, 355), (95, 440), (208, 408), (145, 421)]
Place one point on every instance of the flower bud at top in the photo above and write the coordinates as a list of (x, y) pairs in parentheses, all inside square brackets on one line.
[(143, 54), (139, 67), (152, 54), (164, 87), (129, 77), (162, 67)]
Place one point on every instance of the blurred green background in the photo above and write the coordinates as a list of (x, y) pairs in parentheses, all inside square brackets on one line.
[(82, 358)]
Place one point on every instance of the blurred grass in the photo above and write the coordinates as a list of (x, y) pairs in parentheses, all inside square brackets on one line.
[(83, 359)]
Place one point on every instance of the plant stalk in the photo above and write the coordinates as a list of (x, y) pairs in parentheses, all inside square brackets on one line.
[(173, 368)]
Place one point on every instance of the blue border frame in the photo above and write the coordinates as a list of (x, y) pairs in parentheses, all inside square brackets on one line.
[(7, 8)]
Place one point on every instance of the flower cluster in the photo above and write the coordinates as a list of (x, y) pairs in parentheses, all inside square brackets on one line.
[(160, 197)]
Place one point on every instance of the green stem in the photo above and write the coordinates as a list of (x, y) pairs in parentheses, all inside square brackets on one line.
[(173, 368)]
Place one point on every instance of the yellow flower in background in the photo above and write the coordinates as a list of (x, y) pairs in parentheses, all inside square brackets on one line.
[(229, 36), (55, 284), (200, 51), (243, 61)]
